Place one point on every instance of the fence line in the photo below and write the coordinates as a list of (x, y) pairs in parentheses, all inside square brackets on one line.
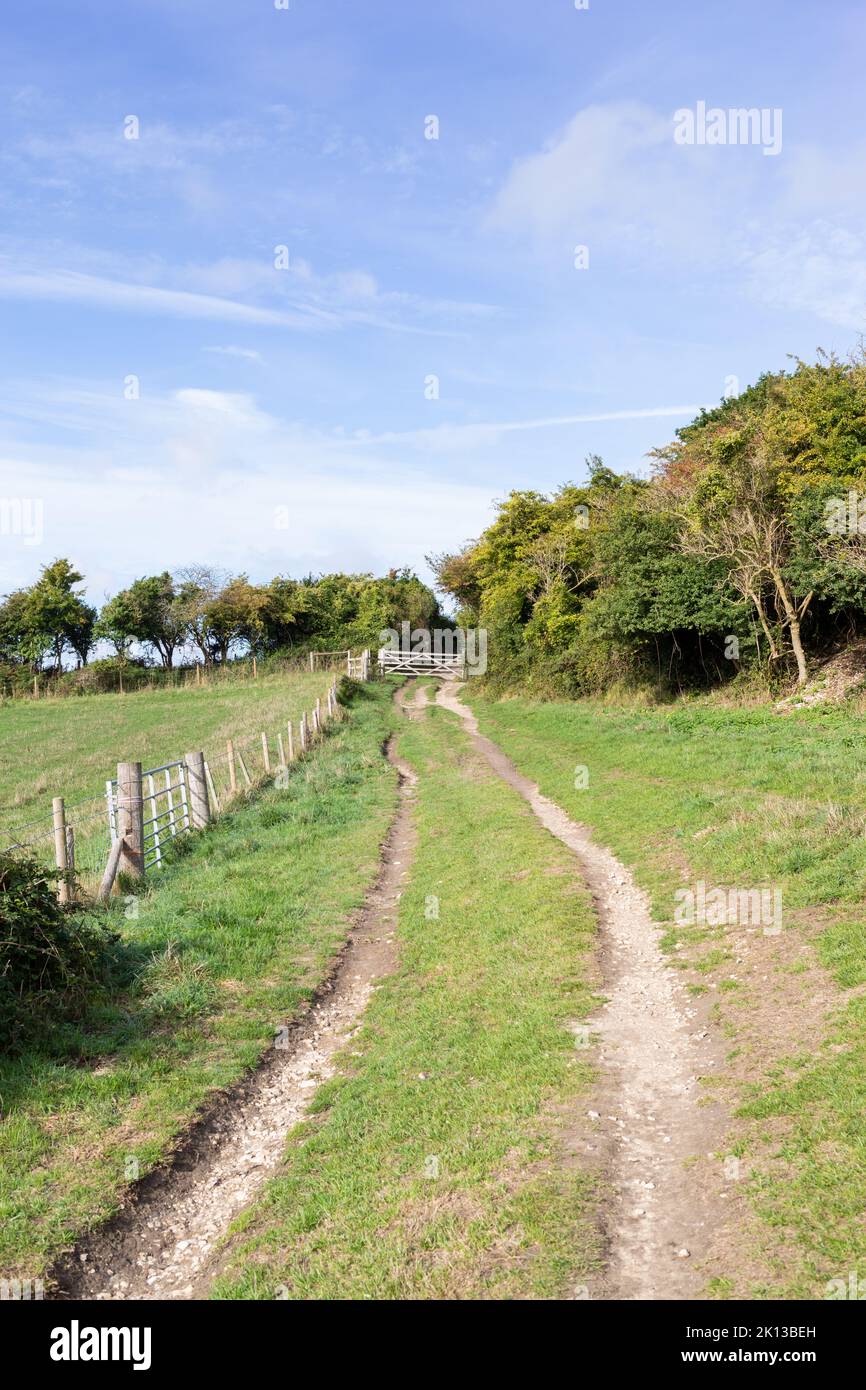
[(92, 841), (132, 680)]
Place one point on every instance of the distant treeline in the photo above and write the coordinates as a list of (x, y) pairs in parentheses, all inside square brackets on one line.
[(744, 554), (201, 615)]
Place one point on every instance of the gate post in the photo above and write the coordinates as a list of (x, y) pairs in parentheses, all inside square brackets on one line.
[(130, 819), (199, 803)]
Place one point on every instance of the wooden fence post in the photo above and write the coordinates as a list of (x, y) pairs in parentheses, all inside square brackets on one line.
[(60, 851), (255, 668), (303, 732), (110, 872), (247, 778), (196, 778), (233, 776), (282, 750), (291, 744), (213, 791), (311, 661), (130, 819), (266, 752)]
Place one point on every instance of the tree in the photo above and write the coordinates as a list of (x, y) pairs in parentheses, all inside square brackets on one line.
[(199, 586), (235, 615), (16, 644), (146, 612), (56, 617), (741, 475)]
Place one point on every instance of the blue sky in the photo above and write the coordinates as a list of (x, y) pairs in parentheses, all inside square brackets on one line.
[(283, 420)]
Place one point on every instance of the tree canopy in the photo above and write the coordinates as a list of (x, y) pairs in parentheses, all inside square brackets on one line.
[(723, 557)]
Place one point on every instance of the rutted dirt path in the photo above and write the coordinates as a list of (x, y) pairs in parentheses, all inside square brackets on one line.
[(162, 1245), (648, 1122)]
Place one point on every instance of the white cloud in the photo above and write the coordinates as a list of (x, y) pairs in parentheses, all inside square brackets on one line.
[(73, 286), (231, 350), (209, 475), (448, 437), (614, 180), (614, 176), (820, 270), (294, 298)]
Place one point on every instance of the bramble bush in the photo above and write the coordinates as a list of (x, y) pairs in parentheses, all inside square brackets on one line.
[(52, 958)]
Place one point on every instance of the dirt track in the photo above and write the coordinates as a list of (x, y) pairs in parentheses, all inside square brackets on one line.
[(163, 1244), (648, 1122), (644, 1127)]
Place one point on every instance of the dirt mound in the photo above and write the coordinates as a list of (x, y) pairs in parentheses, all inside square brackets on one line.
[(832, 682)]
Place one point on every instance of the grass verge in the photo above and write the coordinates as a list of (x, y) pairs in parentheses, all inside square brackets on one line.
[(224, 944), (68, 747), (432, 1166), (746, 799)]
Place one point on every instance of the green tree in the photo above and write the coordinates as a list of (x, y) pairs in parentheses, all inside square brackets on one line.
[(56, 617), (146, 612)]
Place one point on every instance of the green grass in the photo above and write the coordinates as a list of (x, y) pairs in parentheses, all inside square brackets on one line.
[(221, 947), (466, 1058), (750, 799), (69, 747)]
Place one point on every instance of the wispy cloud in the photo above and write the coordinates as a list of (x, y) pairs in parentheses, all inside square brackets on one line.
[(231, 350), (450, 436), (75, 287), (293, 298)]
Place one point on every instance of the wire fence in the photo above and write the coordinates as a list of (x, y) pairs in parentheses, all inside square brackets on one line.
[(106, 678), (79, 838)]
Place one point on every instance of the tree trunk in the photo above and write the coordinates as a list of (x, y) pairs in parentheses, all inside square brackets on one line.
[(792, 618), (802, 673), (759, 607)]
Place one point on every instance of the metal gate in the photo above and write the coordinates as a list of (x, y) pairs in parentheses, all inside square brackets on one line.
[(165, 793)]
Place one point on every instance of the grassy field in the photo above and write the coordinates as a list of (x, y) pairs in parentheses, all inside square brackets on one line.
[(747, 799), (220, 948), (68, 747), (433, 1165)]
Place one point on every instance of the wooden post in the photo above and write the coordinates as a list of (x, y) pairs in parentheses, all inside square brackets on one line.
[(199, 805), (60, 854), (110, 871), (36, 687), (266, 752), (70, 849), (255, 668), (130, 819), (291, 744), (197, 674), (311, 661), (315, 721), (233, 776), (303, 733), (213, 791), (318, 712), (247, 778), (282, 750)]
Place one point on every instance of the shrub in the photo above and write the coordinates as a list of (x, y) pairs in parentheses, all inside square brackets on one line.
[(51, 958)]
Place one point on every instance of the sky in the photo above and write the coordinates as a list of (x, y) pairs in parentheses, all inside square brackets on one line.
[(303, 289)]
